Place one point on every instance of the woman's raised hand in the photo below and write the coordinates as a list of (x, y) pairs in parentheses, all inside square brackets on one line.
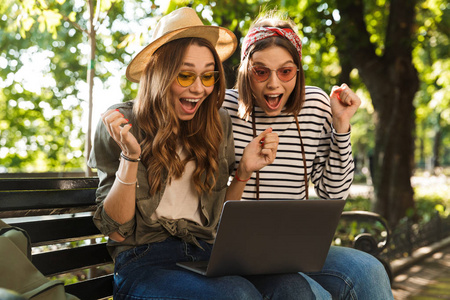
[(119, 129), (344, 103)]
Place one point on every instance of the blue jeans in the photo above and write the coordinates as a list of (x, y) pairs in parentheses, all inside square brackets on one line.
[(150, 272), (350, 274)]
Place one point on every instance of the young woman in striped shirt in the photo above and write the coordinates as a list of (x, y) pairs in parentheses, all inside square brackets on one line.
[(314, 145)]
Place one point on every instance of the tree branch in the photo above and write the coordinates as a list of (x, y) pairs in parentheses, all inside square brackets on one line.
[(97, 13), (400, 28), (352, 37), (66, 18), (98, 23)]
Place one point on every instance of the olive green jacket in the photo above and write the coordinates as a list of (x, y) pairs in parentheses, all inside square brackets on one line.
[(142, 229)]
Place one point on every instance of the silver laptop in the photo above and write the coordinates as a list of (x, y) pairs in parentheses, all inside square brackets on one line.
[(271, 237)]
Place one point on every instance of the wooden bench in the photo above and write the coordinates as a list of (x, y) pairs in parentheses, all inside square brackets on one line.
[(55, 211), (65, 205)]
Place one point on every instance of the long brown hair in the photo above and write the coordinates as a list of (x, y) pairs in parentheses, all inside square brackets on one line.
[(297, 97), (162, 131)]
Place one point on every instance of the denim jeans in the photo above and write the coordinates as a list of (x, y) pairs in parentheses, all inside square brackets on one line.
[(150, 272), (350, 274)]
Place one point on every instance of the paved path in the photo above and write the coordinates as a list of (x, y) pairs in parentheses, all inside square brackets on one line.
[(425, 280)]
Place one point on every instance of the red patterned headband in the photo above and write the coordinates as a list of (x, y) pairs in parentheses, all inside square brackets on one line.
[(260, 33)]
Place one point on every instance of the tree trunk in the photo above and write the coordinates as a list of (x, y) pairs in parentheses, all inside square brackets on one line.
[(90, 81), (392, 82)]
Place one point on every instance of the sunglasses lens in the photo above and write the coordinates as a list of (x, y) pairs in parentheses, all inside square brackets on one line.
[(286, 73), (261, 73), (209, 78), (185, 79)]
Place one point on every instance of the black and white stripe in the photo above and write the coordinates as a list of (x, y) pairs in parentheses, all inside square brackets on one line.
[(328, 154)]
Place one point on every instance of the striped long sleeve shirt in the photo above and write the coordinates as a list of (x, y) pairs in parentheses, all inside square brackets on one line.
[(329, 159)]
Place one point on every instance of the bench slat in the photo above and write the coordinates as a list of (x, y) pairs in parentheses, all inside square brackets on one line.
[(45, 232), (45, 212), (20, 200), (24, 184), (91, 289), (70, 260)]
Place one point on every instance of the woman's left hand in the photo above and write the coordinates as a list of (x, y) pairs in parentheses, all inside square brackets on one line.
[(344, 103)]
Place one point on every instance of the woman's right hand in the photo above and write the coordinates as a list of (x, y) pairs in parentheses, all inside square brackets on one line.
[(260, 152), (119, 130)]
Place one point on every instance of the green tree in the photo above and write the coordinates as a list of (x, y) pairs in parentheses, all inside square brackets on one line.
[(40, 118), (392, 81), (49, 15), (433, 99), (56, 30)]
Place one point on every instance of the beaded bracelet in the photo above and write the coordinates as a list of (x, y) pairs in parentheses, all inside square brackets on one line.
[(238, 179), (129, 159), (123, 182)]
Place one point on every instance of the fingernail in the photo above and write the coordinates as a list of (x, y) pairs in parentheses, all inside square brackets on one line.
[(117, 109), (127, 120)]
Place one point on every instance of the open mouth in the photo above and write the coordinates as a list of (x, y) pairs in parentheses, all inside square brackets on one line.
[(273, 101), (189, 105)]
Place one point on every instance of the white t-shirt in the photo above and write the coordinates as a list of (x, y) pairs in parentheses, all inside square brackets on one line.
[(180, 199)]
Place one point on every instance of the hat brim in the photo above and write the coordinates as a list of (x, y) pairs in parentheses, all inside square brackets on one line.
[(221, 38)]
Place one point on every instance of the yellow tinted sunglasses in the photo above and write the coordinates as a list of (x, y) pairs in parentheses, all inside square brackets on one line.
[(186, 78)]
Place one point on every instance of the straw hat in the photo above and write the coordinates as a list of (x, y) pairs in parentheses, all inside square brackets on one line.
[(182, 23)]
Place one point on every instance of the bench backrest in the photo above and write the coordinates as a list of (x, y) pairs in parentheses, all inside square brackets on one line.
[(55, 211)]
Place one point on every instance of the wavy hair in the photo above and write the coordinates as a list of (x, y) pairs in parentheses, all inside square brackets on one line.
[(161, 130), (243, 83)]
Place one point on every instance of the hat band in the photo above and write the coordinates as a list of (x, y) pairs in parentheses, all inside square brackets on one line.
[(260, 33)]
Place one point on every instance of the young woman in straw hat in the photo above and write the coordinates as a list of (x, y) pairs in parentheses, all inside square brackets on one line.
[(314, 143), (164, 162)]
